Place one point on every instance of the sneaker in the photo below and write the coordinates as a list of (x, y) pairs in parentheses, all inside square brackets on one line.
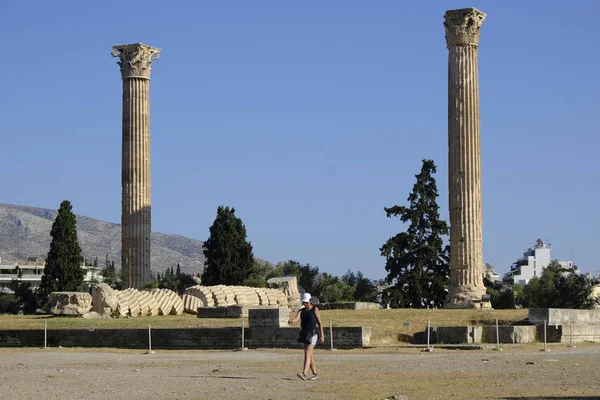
[(302, 376), (313, 377)]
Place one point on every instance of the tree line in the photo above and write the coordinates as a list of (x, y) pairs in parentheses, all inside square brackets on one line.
[(417, 262), (229, 260)]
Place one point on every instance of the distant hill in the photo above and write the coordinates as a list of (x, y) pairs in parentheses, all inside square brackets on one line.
[(25, 232)]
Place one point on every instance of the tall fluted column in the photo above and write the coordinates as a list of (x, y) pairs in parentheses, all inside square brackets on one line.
[(464, 158), (135, 61)]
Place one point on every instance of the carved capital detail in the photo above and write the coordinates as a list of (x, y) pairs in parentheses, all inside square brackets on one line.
[(462, 26), (135, 59)]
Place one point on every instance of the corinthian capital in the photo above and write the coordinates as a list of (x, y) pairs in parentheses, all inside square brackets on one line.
[(462, 26), (135, 59)]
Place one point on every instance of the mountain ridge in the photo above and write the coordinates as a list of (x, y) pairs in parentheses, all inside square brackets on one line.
[(25, 232)]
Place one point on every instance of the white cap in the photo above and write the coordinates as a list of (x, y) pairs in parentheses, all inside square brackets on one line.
[(305, 297)]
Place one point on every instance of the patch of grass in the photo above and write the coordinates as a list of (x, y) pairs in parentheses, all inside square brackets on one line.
[(389, 327)]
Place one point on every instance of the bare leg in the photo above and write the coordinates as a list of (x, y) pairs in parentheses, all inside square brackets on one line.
[(308, 351), (312, 362)]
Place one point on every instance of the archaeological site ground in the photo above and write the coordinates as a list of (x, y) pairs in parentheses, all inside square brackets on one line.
[(518, 372)]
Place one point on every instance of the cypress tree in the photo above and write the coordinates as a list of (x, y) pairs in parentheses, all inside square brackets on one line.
[(228, 256), (417, 260), (63, 264)]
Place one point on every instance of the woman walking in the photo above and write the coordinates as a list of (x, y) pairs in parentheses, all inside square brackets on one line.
[(311, 323)]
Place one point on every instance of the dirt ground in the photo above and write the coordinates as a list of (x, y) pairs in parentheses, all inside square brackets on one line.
[(407, 373)]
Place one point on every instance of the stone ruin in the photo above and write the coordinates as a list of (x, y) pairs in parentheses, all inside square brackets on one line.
[(289, 286), (223, 296), (68, 303), (134, 303), (105, 301)]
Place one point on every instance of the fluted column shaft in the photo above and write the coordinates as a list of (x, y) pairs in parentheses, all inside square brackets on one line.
[(136, 201), (464, 158), (135, 60)]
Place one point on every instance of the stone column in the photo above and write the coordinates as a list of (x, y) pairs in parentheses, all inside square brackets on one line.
[(464, 158), (135, 60)]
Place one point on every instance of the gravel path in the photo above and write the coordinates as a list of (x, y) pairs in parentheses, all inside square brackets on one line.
[(516, 372)]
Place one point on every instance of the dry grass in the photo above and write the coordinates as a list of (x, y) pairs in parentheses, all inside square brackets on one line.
[(399, 325), (389, 327)]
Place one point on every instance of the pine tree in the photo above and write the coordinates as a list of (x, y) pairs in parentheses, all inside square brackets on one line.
[(63, 264), (417, 260), (109, 274), (229, 259)]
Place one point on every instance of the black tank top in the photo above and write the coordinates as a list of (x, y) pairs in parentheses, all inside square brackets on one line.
[(309, 321)]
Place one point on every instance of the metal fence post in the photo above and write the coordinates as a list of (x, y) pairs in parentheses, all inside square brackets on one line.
[(243, 348), (330, 336), (428, 332), (545, 341), (498, 348), (149, 341), (497, 335), (428, 349), (45, 334)]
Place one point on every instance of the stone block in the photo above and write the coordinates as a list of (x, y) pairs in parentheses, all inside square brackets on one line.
[(241, 310), (212, 312), (289, 286), (509, 334), (104, 299), (458, 334), (148, 304), (69, 303), (563, 316), (524, 334), (191, 304), (553, 333), (562, 333), (268, 317), (202, 293), (421, 337), (237, 311)]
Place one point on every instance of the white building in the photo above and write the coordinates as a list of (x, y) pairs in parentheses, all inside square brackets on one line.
[(32, 271), (532, 264)]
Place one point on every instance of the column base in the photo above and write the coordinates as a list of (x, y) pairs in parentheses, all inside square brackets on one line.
[(467, 298)]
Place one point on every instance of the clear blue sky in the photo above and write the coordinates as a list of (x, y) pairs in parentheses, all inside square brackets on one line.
[(308, 118)]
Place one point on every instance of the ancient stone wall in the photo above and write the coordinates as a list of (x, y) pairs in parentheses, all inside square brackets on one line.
[(188, 338)]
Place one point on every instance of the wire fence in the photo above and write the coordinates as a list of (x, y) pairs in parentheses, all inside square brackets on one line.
[(236, 337), (435, 333), (569, 333)]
